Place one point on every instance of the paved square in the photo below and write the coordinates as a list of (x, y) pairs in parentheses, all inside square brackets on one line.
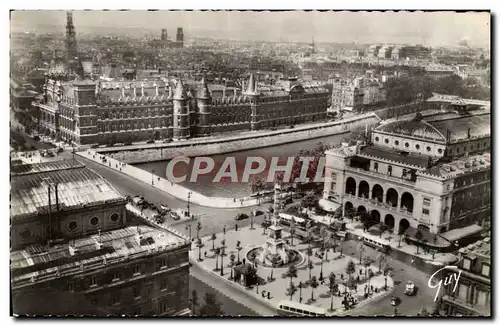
[(277, 287)]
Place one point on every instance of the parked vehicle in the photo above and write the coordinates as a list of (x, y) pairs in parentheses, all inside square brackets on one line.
[(410, 288), (165, 208), (394, 301), (150, 141), (257, 213), (128, 143), (175, 216), (241, 216)]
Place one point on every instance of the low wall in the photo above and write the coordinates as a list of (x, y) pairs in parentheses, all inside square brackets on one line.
[(171, 188), (118, 161), (244, 142)]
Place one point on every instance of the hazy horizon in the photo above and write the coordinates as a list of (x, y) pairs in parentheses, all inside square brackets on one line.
[(429, 28)]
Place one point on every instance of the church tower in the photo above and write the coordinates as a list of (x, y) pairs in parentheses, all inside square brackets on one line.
[(181, 125)]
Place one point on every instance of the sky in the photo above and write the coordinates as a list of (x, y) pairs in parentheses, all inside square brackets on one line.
[(428, 28)]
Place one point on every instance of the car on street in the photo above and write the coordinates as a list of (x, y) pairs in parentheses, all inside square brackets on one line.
[(395, 301), (175, 216), (241, 216), (257, 213), (410, 288)]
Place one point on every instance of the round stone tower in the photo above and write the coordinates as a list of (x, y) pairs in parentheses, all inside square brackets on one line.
[(181, 125), (204, 101)]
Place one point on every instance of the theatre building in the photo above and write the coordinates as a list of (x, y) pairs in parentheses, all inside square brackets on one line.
[(431, 172), (74, 251)]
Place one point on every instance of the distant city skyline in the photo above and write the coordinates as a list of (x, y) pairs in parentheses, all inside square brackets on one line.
[(427, 28)]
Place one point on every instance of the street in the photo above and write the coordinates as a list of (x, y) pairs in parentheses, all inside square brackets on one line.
[(409, 305), (212, 219)]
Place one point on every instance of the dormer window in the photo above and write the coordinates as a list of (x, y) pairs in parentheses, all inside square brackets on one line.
[(466, 264), (485, 271)]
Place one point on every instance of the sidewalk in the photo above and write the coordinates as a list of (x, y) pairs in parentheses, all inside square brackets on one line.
[(277, 288), (392, 240)]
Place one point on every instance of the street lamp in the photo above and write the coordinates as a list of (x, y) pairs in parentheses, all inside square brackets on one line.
[(152, 177), (189, 198), (385, 285)]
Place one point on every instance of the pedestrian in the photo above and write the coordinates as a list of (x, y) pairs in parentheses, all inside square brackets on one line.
[(224, 229), (269, 295), (236, 227)]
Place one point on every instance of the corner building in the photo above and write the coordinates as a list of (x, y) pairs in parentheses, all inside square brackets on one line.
[(89, 112), (70, 235), (431, 172)]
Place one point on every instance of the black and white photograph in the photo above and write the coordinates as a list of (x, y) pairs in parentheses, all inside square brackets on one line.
[(251, 164)]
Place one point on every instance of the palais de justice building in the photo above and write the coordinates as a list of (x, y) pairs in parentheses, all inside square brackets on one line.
[(73, 245), (89, 112), (432, 172)]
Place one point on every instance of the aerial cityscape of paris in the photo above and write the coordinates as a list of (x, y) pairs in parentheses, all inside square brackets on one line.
[(250, 164)]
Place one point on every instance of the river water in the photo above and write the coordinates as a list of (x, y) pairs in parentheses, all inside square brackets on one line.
[(225, 188)]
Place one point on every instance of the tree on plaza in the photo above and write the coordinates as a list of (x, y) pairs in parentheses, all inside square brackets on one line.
[(291, 272), (381, 227), (217, 253), (310, 266), (300, 286), (199, 245), (222, 254), (232, 259), (360, 248), (223, 247), (257, 185), (324, 234), (419, 235), (367, 220), (274, 262), (367, 261), (309, 201), (314, 284), (213, 238), (350, 269), (323, 254), (381, 258), (265, 225), (198, 229), (291, 290), (212, 307), (238, 247), (292, 232), (309, 253), (333, 288), (194, 301)]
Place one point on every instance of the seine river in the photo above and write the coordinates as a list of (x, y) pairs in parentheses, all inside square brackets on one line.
[(226, 188)]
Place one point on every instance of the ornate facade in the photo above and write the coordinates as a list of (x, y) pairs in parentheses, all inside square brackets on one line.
[(70, 235), (89, 112), (431, 173)]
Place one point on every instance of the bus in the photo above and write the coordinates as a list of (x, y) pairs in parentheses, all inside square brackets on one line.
[(287, 219), (376, 243), (291, 308)]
